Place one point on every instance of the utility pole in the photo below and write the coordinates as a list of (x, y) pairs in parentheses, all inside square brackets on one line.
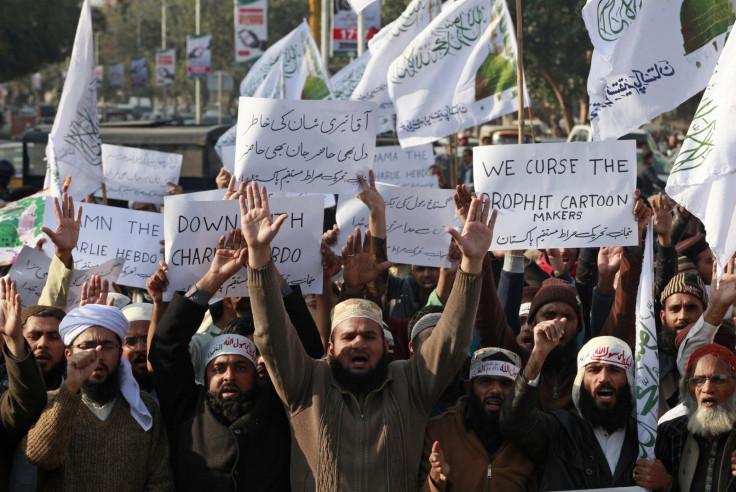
[(197, 82), (163, 48)]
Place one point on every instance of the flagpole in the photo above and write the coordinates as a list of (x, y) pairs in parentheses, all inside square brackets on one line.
[(453, 161), (104, 194), (519, 70)]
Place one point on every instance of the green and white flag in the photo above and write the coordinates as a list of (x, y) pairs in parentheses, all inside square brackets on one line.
[(459, 72), (74, 141), (647, 357), (346, 80), (305, 75), (703, 177)]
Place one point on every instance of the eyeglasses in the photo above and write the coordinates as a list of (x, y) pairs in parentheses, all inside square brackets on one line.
[(107, 345), (716, 379), (134, 341)]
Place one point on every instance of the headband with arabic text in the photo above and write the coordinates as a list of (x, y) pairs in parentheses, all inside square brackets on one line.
[(230, 345), (494, 368), (605, 354)]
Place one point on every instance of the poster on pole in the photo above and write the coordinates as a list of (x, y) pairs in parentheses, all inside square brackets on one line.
[(192, 229), (345, 27), (199, 56), (251, 29), (138, 72), (165, 67), (407, 167), (559, 195), (117, 72), (305, 146), (100, 75)]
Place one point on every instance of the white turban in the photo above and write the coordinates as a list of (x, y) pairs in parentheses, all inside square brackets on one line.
[(230, 345), (81, 318)]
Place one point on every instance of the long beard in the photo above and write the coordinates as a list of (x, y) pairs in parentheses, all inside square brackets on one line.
[(52, 377), (103, 392), (710, 421), (611, 419), (361, 383), (667, 337), (485, 424), (229, 410)]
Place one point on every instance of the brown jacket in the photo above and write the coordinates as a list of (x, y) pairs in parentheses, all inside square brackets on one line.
[(471, 468), (340, 442)]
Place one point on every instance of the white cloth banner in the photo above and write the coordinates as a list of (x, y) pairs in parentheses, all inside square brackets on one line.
[(385, 47), (459, 72), (405, 167), (192, 229), (139, 175), (649, 57), (559, 195), (305, 75), (112, 232), (165, 67), (647, 356), (703, 177), (305, 146), (31, 269), (344, 82), (74, 141)]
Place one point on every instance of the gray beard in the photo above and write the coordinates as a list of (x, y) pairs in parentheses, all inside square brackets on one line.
[(710, 422)]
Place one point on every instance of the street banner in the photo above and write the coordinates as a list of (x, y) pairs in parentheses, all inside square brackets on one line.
[(192, 229), (649, 57), (117, 75), (459, 72), (100, 75), (139, 175), (559, 195), (251, 29), (345, 27), (73, 148), (112, 232), (199, 56), (305, 75), (405, 167), (20, 224), (386, 47), (36, 82), (165, 67), (703, 176), (344, 82), (138, 72), (305, 146)]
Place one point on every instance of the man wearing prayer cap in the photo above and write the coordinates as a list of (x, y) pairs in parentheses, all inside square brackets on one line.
[(696, 449), (595, 444), (358, 421), (135, 342), (464, 448), (99, 431)]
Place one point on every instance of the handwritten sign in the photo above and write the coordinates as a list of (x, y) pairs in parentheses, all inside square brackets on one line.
[(559, 194), (405, 167), (416, 219), (112, 232), (305, 146), (32, 268), (139, 175), (198, 196), (192, 229)]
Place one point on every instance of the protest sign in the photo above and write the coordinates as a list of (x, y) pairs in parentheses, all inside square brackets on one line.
[(198, 196), (112, 232), (305, 146), (20, 224), (559, 195), (251, 29), (32, 268), (139, 175), (117, 74), (405, 167), (138, 72), (199, 55), (193, 228), (165, 67)]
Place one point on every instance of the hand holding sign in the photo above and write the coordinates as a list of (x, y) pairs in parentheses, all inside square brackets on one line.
[(259, 228), (66, 235), (476, 236)]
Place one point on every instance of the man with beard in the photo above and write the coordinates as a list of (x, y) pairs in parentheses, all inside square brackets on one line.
[(99, 431), (41, 330), (464, 448), (592, 446), (135, 343), (406, 295), (695, 449), (358, 422)]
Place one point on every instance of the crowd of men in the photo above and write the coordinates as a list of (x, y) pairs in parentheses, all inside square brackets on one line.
[(509, 370)]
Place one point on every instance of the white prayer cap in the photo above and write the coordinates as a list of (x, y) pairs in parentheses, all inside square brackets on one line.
[(140, 311), (230, 344)]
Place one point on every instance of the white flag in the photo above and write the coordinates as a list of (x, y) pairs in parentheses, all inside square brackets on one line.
[(649, 57), (703, 178), (344, 82), (272, 86), (385, 47), (459, 72), (74, 141), (305, 75), (647, 357)]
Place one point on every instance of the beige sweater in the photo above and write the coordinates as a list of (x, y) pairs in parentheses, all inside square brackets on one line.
[(76, 451)]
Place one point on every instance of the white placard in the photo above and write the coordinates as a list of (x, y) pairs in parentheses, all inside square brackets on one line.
[(139, 175), (405, 167), (350, 214), (31, 270), (198, 196), (558, 195), (305, 146), (113, 232), (192, 229)]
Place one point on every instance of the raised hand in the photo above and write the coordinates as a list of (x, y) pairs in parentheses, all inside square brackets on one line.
[(330, 237), (232, 192), (229, 257), (662, 208), (609, 260), (258, 225), (370, 194), (156, 284), (555, 260), (477, 235), (330, 262), (175, 189), (436, 171), (439, 469), (67, 228), (360, 268), (222, 179), (79, 366), (10, 318), (642, 214), (462, 197), (95, 292), (722, 293)]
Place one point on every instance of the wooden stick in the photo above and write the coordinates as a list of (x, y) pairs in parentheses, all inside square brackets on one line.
[(104, 194), (453, 160), (531, 123), (520, 69)]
